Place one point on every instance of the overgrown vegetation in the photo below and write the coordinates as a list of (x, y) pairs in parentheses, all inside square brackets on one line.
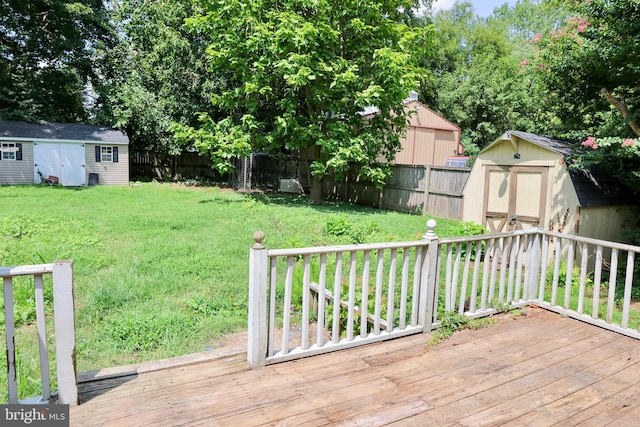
[(161, 270), (451, 321)]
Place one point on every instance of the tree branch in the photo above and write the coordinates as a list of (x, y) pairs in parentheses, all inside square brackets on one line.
[(622, 107)]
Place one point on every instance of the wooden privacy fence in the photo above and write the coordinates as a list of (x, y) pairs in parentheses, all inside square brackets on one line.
[(162, 167), (64, 330), (350, 295), (436, 190)]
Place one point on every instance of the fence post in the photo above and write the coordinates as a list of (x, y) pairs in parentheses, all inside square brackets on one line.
[(533, 265), (429, 280), (427, 188), (257, 328), (65, 329)]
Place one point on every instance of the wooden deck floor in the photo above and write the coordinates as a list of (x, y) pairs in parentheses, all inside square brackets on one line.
[(535, 370)]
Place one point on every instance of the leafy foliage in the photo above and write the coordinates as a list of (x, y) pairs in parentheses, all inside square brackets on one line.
[(478, 76), (300, 74), (158, 73), (594, 53), (47, 57)]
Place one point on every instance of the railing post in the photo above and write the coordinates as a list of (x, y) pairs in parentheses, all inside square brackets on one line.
[(257, 328), (65, 329), (534, 261), (429, 280)]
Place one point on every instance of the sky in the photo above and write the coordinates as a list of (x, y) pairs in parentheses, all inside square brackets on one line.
[(483, 8)]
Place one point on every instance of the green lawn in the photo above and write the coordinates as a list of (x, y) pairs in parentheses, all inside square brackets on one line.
[(161, 270)]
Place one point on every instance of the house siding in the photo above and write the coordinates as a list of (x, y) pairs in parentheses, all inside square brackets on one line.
[(108, 173), (15, 172)]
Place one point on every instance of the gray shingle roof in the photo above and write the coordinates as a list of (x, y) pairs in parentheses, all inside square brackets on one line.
[(559, 146), (62, 131)]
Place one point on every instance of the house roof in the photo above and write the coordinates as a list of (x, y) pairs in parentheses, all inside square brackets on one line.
[(594, 187), (62, 132)]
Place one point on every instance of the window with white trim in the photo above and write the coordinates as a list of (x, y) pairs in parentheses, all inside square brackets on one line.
[(106, 154), (9, 151)]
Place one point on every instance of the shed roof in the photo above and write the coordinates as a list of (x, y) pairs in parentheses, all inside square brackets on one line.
[(594, 187), (61, 131)]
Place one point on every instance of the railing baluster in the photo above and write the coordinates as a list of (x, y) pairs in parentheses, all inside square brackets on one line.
[(448, 283), (272, 305), (556, 272), (306, 280), (465, 278), (391, 291), (352, 296), (476, 275), (42, 337), (494, 272), (377, 311), (612, 285), (569, 278), (404, 288), (544, 263), (456, 277), (364, 305), (9, 326), (583, 277), (337, 295), (286, 315), (321, 300), (628, 283), (597, 278), (485, 274), (504, 268), (416, 286), (517, 295), (512, 268)]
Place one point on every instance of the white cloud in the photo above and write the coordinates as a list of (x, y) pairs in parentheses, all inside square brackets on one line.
[(443, 4)]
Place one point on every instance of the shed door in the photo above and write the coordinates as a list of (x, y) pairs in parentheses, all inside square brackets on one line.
[(65, 161), (515, 197)]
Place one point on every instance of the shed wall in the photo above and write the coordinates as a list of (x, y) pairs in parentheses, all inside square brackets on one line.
[(606, 222), (561, 200), (108, 173), (18, 171)]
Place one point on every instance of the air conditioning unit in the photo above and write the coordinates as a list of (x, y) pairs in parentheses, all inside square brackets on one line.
[(289, 186)]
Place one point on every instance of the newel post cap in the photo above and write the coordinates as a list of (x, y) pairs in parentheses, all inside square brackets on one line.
[(258, 237), (431, 227)]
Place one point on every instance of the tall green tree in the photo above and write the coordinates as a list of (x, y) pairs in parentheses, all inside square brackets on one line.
[(158, 73), (302, 71), (591, 66), (479, 75), (48, 57)]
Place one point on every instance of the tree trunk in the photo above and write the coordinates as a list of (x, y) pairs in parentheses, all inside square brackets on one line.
[(316, 189), (622, 107)]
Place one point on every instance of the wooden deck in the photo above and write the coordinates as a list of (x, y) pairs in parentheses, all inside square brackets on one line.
[(539, 369)]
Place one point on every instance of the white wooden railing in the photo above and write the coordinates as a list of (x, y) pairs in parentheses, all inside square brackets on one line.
[(357, 294), (475, 276), (64, 329)]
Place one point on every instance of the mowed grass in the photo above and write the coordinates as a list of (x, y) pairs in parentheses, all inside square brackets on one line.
[(162, 270)]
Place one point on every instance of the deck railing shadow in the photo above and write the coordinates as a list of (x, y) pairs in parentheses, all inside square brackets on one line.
[(357, 294)]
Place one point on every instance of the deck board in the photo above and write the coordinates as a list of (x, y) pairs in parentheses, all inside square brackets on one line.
[(540, 369)]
